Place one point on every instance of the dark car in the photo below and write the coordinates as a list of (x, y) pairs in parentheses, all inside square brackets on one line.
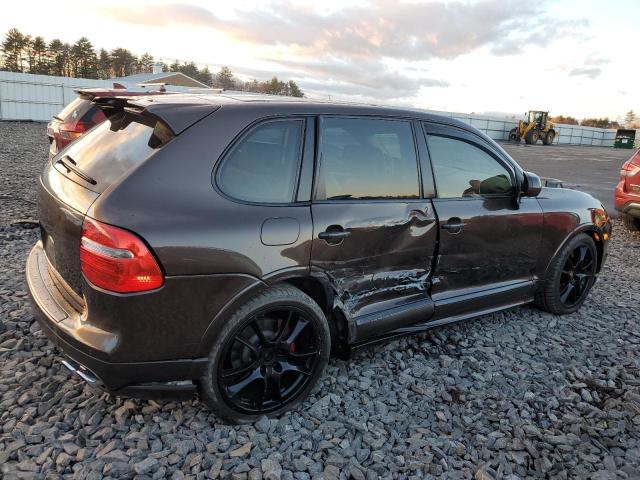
[(81, 115), (230, 245)]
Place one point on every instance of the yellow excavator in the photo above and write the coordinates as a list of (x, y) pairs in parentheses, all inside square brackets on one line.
[(537, 127)]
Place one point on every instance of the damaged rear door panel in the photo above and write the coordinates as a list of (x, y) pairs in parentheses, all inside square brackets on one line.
[(374, 236)]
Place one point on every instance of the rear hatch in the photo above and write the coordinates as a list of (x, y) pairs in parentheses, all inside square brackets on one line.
[(76, 177)]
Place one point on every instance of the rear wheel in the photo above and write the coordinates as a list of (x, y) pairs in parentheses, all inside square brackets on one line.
[(569, 277), (548, 138), (631, 223), (268, 356), (531, 137)]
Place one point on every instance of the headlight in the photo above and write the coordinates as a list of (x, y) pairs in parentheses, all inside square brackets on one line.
[(599, 217)]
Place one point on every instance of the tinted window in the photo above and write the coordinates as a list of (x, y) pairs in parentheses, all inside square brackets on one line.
[(113, 148), (262, 167), (366, 159), (462, 170)]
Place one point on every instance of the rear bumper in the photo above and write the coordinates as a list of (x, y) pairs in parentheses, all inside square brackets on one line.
[(625, 202), (66, 328), (631, 208)]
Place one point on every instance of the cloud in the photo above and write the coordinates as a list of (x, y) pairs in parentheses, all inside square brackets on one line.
[(354, 45), (591, 72), (595, 60), (386, 28)]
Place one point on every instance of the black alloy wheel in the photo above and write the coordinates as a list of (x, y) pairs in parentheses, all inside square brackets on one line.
[(269, 361), (569, 276), (577, 276)]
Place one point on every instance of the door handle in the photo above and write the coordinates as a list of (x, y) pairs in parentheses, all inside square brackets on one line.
[(454, 225), (334, 234)]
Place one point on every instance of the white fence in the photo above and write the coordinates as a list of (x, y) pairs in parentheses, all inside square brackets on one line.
[(498, 129), (25, 96)]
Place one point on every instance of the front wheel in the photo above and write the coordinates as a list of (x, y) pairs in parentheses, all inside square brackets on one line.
[(513, 136), (268, 356), (531, 137), (570, 276), (632, 224)]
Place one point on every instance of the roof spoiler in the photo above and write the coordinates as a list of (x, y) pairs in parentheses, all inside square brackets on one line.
[(177, 116)]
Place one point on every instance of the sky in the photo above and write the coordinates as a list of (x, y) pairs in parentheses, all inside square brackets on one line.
[(571, 57)]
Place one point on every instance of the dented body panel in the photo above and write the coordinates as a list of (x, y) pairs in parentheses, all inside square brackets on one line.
[(387, 259)]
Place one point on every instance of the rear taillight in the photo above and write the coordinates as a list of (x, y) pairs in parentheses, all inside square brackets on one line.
[(117, 260), (631, 167), (71, 131)]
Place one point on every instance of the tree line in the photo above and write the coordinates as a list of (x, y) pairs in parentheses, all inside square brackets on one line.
[(586, 122), (630, 121), (26, 54)]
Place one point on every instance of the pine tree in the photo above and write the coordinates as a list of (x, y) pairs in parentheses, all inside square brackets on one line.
[(41, 56), (123, 62), (104, 65), (13, 49), (84, 59), (293, 90), (145, 63), (224, 79), (629, 118), (57, 58)]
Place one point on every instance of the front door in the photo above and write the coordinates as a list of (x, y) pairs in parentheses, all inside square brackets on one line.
[(488, 240), (374, 236)]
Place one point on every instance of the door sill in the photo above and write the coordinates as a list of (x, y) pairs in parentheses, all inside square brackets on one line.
[(428, 325), (378, 323)]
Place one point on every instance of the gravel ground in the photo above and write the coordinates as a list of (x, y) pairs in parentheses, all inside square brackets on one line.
[(510, 395)]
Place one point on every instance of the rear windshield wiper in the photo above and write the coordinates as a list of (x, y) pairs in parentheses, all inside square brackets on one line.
[(68, 163)]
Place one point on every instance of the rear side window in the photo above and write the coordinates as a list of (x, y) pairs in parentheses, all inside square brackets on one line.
[(366, 159), (113, 148), (262, 167), (464, 170)]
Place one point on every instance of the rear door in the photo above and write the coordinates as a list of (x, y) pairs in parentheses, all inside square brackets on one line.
[(374, 235), (488, 239)]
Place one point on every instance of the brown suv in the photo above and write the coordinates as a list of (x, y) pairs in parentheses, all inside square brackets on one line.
[(230, 245)]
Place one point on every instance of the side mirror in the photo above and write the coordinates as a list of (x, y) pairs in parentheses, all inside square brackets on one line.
[(532, 185)]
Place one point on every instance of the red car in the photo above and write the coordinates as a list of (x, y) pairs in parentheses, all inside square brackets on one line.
[(627, 196), (81, 115)]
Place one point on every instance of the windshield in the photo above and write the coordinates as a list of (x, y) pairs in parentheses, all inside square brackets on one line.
[(113, 148)]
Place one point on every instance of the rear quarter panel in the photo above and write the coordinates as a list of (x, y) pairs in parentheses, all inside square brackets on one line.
[(170, 202), (209, 246)]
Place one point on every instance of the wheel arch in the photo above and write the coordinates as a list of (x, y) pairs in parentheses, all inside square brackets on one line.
[(319, 289), (315, 286), (590, 230)]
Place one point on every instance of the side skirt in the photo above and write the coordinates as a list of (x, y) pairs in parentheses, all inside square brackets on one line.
[(447, 310), (423, 327)]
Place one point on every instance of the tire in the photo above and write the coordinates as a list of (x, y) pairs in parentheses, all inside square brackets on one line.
[(548, 138), (556, 294), (259, 365), (531, 137), (631, 223), (513, 136)]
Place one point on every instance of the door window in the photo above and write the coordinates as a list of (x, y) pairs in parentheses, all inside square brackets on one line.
[(366, 159), (464, 170), (263, 166)]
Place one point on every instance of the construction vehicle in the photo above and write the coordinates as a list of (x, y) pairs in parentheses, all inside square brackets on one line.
[(537, 127)]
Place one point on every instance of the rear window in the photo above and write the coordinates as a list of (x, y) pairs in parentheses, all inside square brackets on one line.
[(111, 149), (81, 111)]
